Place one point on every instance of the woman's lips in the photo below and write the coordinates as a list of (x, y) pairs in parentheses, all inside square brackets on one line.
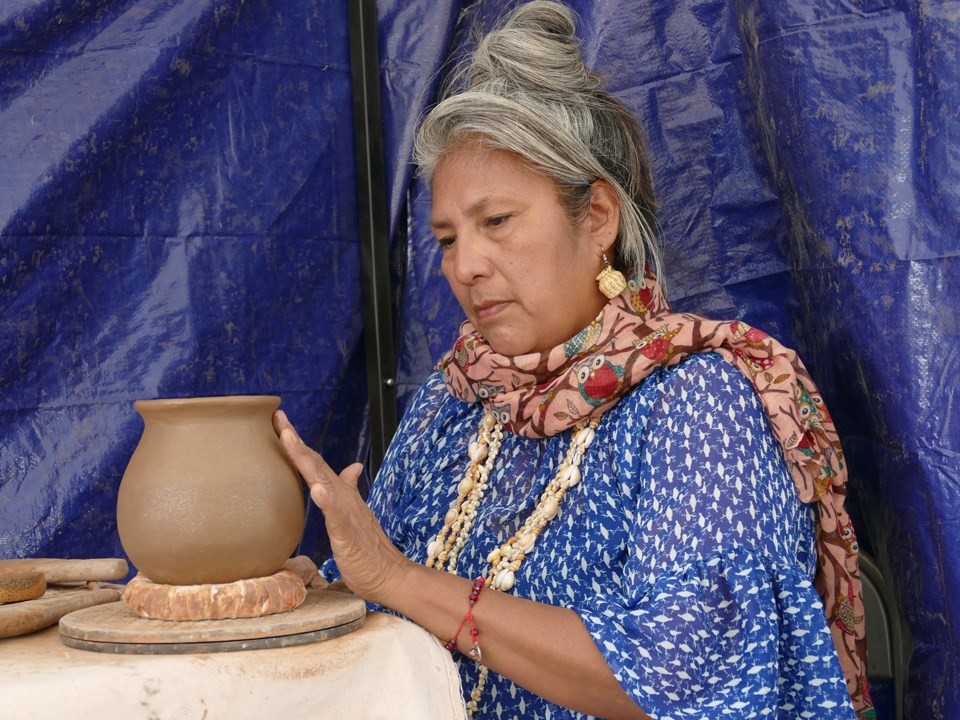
[(489, 309)]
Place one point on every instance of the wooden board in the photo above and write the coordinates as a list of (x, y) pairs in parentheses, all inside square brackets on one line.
[(58, 570), (32, 615), (115, 628)]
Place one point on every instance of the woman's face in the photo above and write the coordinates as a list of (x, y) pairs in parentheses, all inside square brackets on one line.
[(522, 271)]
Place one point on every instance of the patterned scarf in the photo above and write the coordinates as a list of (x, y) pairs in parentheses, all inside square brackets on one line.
[(542, 394)]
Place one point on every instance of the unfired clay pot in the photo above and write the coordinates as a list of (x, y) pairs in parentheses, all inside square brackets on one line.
[(208, 496)]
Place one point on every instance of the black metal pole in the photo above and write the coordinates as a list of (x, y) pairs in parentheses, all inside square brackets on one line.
[(374, 229)]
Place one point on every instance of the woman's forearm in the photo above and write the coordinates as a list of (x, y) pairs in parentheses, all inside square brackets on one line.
[(543, 648)]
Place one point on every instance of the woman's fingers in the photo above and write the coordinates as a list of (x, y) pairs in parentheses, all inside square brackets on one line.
[(312, 467), (318, 494), (298, 452), (280, 422), (326, 488), (351, 474)]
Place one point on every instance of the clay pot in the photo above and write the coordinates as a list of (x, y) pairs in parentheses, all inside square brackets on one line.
[(208, 496)]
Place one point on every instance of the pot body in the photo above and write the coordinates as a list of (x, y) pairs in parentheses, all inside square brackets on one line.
[(208, 496)]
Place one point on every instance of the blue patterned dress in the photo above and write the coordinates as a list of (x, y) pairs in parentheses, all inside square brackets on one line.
[(684, 550)]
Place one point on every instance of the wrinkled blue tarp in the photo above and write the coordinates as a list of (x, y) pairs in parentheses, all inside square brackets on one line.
[(178, 217)]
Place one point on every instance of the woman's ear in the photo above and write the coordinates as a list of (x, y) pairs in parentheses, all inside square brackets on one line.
[(604, 216)]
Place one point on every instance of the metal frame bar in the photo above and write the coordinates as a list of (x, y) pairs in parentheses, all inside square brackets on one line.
[(374, 228)]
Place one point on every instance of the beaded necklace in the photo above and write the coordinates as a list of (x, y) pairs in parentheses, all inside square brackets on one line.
[(505, 560)]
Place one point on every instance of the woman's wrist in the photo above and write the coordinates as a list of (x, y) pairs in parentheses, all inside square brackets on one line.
[(396, 582)]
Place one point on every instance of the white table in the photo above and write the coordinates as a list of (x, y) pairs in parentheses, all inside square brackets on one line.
[(390, 669)]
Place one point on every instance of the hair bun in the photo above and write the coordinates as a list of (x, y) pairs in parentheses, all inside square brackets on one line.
[(534, 49), (547, 17)]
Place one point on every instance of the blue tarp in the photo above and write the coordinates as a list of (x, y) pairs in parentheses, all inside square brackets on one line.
[(178, 217)]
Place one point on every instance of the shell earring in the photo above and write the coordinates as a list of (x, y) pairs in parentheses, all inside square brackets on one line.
[(611, 281)]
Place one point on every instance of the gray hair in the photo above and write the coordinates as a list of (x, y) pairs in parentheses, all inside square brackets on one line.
[(525, 89)]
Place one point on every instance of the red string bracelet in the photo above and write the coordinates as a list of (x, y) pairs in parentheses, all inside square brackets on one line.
[(474, 651)]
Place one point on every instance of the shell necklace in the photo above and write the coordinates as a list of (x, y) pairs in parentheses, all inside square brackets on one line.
[(505, 560)]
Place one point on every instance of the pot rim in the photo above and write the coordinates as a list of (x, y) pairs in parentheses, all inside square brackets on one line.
[(210, 401)]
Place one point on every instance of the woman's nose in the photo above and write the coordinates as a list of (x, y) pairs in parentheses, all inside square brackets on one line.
[(471, 259)]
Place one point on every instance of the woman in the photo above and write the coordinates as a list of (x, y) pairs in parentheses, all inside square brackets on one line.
[(597, 504)]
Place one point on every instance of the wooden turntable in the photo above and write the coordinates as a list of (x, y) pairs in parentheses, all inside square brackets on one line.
[(114, 628)]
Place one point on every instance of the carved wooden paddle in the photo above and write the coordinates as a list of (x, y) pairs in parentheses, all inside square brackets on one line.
[(31, 615)]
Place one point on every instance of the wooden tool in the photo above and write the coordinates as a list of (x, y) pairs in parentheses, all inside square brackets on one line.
[(31, 615), (56, 570)]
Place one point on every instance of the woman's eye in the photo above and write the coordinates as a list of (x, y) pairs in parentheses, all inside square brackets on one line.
[(497, 220), (445, 242)]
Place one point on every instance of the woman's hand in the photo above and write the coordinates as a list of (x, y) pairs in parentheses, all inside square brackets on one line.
[(370, 564)]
